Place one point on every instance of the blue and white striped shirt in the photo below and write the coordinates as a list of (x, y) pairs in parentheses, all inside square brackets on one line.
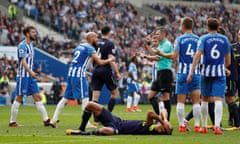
[(186, 45), (132, 68), (81, 58), (214, 47), (25, 50)]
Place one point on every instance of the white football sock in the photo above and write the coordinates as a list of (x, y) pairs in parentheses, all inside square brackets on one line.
[(58, 109), (84, 103), (180, 113), (42, 109), (196, 114), (218, 110), (129, 101), (136, 99), (204, 113), (160, 106), (14, 111)]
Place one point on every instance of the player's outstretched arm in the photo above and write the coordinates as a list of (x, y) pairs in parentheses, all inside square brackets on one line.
[(99, 61), (170, 56), (149, 57)]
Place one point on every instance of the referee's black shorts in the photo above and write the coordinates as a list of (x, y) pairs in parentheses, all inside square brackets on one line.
[(163, 83)]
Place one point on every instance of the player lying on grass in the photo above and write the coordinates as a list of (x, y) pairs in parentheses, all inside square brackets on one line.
[(153, 125)]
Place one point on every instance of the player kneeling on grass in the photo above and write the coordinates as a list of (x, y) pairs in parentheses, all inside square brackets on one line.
[(153, 125)]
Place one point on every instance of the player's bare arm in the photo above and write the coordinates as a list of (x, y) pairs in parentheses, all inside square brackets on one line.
[(148, 49), (101, 62), (173, 55), (114, 67), (227, 63), (196, 59), (148, 57), (150, 117), (227, 60), (152, 58), (32, 73)]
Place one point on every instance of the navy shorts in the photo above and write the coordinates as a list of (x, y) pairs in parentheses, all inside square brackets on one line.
[(163, 83), (109, 120), (101, 78)]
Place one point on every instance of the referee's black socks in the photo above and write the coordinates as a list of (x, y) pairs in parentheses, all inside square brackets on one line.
[(167, 105)]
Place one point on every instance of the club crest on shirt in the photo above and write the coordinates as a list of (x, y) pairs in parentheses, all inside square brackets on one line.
[(21, 51)]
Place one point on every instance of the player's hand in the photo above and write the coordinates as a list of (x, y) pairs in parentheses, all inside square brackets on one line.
[(111, 59), (118, 76), (33, 75), (189, 78), (167, 127), (228, 72)]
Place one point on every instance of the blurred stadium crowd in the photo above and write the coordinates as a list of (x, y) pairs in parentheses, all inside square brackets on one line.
[(73, 18)]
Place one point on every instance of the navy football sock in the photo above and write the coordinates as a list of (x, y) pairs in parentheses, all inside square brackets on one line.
[(230, 112), (189, 115), (239, 106), (111, 104), (85, 117), (211, 106), (234, 112)]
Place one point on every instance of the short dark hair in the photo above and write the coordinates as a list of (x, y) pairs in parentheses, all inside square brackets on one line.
[(187, 22), (105, 30), (28, 29), (213, 23), (221, 30)]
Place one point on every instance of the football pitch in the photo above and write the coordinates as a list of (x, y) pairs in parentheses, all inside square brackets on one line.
[(33, 131)]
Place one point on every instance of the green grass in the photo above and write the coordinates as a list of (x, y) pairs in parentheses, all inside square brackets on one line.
[(33, 132)]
